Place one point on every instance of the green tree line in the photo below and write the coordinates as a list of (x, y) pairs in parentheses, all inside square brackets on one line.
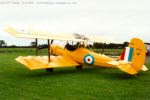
[(95, 45)]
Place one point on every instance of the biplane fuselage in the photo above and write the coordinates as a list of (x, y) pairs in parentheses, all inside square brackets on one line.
[(84, 56)]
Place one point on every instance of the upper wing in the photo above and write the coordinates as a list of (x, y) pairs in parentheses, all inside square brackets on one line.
[(47, 35), (23, 34), (39, 35), (38, 62), (103, 39)]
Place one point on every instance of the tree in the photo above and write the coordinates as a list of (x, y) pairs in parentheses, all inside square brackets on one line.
[(98, 45), (2, 43), (33, 44), (125, 44)]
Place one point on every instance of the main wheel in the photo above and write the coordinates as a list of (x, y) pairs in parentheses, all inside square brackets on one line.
[(49, 69), (79, 67)]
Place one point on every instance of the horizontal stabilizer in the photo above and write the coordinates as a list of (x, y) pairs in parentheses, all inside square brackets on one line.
[(127, 68), (144, 68), (115, 63), (124, 66)]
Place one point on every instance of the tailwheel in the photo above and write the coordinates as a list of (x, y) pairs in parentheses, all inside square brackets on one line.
[(79, 67), (49, 69)]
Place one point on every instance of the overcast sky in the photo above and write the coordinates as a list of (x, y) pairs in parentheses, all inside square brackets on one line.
[(119, 20)]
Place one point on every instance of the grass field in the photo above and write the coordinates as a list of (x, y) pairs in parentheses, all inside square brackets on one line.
[(19, 83)]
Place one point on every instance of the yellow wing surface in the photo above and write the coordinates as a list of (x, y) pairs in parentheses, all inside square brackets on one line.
[(48, 35), (41, 62), (39, 35)]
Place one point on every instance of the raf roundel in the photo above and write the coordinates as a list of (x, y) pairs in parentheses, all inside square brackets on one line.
[(89, 59)]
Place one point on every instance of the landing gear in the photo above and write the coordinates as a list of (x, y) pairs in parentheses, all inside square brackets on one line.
[(49, 69), (79, 67)]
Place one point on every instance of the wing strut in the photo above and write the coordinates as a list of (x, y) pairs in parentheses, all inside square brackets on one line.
[(49, 53), (103, 48), (36, 46)]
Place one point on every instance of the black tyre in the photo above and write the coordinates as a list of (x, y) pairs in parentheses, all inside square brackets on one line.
[(79, 67), (49, 69)]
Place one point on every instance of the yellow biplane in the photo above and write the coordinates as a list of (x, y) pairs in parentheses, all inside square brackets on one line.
[(131, 60)]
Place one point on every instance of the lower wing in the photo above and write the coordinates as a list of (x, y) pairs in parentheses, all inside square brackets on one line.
[(41, 62)]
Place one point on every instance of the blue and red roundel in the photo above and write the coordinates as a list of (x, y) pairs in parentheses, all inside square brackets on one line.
[(89, 59)]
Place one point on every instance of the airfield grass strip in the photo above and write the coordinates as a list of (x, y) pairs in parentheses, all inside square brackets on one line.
[(90, 83)]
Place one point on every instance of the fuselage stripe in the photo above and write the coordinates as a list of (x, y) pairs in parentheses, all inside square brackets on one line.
[(130, 54), (127, 53)]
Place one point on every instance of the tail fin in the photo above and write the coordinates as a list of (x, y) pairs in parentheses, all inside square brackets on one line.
[(139, 54), (134, 56)]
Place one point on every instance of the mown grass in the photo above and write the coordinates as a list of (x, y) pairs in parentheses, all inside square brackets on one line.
[(19, 83)]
